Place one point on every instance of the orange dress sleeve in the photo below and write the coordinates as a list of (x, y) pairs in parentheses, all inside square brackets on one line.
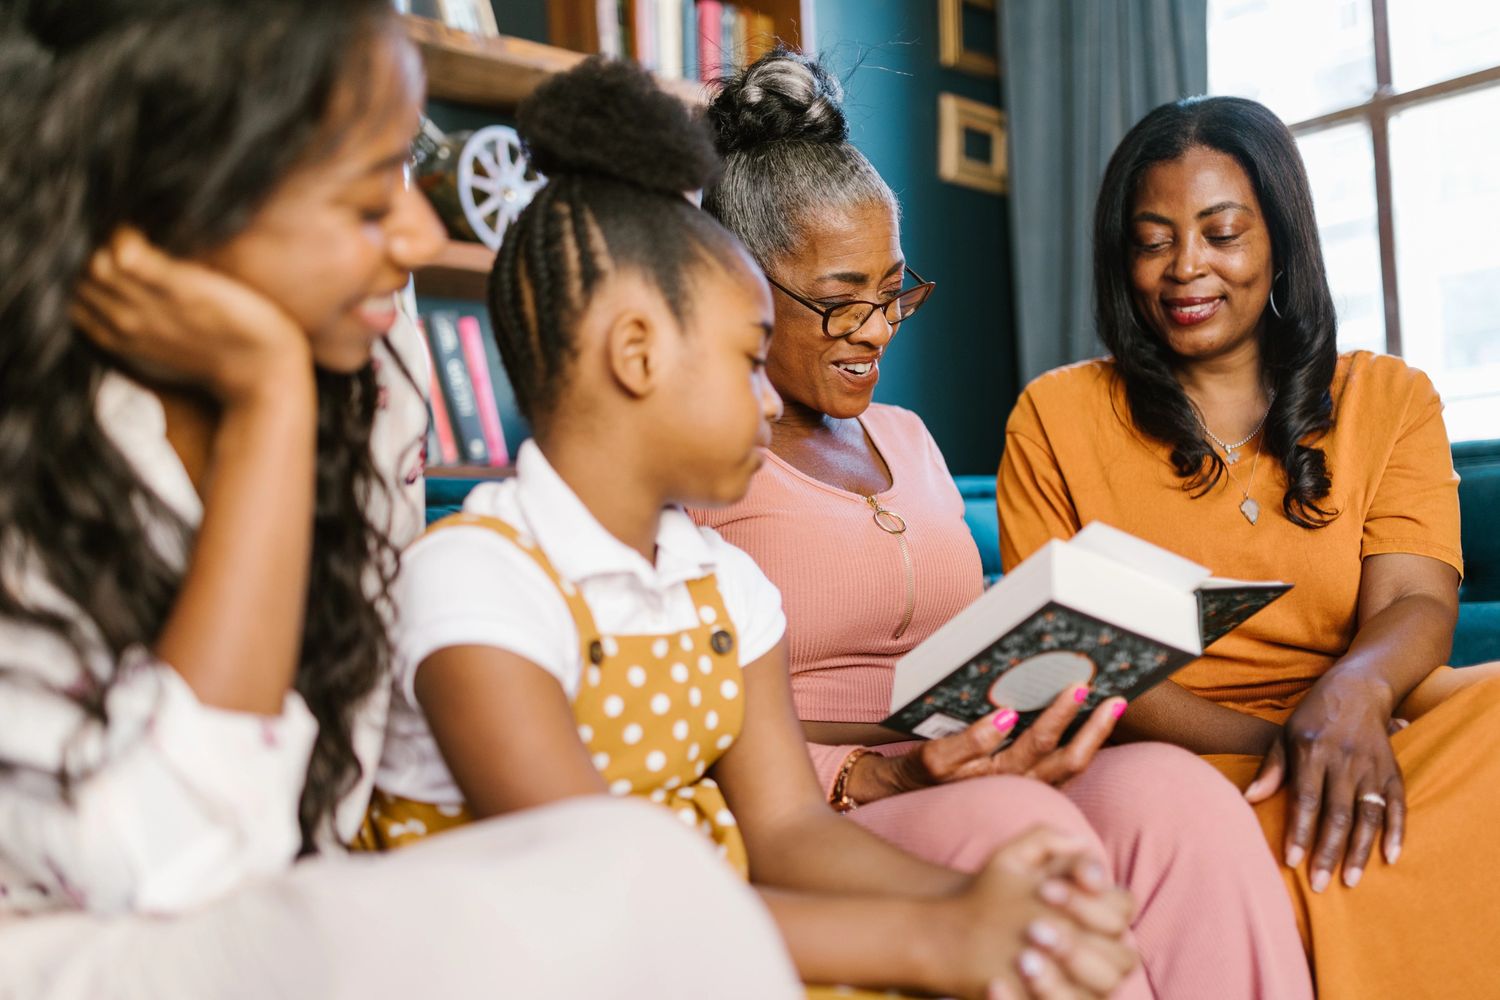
[(1031, 495), (1415, 506)]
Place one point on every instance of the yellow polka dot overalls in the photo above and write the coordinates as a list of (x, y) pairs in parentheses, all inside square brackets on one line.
[(654, 711)]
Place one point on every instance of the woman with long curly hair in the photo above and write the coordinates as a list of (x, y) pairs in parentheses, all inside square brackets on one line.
[(1227, 427), (207, 436)]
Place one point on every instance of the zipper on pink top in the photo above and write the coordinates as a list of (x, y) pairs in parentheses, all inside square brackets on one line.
[(892, 523)]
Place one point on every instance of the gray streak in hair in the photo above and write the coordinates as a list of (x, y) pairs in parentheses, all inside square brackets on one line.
[(787, 158)]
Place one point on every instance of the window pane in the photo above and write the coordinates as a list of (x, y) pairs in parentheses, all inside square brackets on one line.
[(1341, 170), (1434, 40), (1446, 204), (1299, 59)]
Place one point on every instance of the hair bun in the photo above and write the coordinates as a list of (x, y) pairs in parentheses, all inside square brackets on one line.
[(608, 117), (783, 95)]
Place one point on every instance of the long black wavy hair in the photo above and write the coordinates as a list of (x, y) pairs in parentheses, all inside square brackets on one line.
[(1298, 350), (619, 154), (178, 117)]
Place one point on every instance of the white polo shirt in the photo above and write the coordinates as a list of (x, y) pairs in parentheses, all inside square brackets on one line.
[(470, 586)]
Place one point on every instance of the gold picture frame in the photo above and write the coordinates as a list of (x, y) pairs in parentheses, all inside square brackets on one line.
[(951, 51), (958, 116)]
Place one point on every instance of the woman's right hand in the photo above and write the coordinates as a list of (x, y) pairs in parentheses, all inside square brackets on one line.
[(182, 323), (1037, 753), (1013, 937)]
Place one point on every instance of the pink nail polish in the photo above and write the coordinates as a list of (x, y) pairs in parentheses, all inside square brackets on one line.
[(1005, 720), (1118, 709), (1319, 880), (1081, 695)]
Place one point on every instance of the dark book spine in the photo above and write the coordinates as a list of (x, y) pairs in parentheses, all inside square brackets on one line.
[(458, 386)]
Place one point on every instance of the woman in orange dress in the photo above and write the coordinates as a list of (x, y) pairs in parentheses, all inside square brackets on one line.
[(1227, 427)]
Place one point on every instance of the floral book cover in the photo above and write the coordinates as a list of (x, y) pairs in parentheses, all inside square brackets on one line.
[(1027, 667)]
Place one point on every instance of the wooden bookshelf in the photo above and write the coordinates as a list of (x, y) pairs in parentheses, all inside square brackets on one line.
[(470, 471), (498, 73), (461, 271)]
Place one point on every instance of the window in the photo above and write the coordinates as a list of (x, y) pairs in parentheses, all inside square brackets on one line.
[(1396, 108)]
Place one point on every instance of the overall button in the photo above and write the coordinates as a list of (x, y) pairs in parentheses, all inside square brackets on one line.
[(721, 641), (596, 652)]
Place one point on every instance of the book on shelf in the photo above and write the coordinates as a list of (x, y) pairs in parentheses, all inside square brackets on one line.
[(472, 338), (689, 29), (688, 39), (458, 386), (711, 61), (442, 447), (1104, 609), (644, 35), (476, 17), (669, 56), (607, 18)]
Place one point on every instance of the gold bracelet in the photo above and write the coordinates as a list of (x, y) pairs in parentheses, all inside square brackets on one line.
[(839, 797)]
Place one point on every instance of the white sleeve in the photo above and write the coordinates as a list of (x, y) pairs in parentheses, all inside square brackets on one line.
[(469, 586), (168, 805), (752, 600)]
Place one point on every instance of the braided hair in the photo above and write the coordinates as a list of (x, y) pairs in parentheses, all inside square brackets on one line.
[(620, 155)]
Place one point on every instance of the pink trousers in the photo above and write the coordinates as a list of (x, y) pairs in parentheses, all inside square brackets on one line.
[(1213, 920)]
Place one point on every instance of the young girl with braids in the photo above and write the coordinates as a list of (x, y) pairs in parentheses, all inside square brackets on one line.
[(572, 633), (199, 504)]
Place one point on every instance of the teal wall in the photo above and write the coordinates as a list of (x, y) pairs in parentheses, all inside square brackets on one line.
[(955, 363)]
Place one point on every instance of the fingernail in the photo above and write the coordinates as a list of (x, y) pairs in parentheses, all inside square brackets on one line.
[(1030, 963), (1352, 876), (1320, 879), (1043, 935), (1294, 856), (1093, 875), (1393, 852), (1054, 893), (1005, 719), (1081, 694), (1117, 709)]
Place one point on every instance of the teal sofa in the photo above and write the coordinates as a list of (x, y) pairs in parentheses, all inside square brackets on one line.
[(1477, 639)]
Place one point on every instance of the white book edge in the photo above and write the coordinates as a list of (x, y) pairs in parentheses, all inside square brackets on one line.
[(1075, 577)]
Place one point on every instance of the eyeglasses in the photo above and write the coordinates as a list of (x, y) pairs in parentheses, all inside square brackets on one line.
[(843, 319)]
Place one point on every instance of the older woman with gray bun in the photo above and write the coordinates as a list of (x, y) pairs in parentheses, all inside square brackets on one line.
[(857, 520)]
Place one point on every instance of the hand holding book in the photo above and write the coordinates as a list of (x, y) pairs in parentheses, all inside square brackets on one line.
[(1042, 752)]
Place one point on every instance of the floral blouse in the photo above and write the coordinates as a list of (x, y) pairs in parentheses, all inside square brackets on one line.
[(173, 802)]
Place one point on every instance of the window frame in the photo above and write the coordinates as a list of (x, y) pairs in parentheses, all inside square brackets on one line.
[(1376, 113)]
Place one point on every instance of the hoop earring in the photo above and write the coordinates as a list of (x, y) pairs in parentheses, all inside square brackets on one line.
[(1272, 297)]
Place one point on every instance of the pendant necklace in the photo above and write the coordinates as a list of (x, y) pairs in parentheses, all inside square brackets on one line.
[(1232, 451), (1248, 506)]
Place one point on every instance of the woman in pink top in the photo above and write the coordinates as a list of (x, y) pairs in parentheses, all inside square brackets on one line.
[(824, 518)]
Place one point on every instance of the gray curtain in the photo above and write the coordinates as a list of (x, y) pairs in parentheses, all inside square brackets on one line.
[(1077, 75)]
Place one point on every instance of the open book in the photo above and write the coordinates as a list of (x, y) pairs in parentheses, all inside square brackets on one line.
[(1103, 608)]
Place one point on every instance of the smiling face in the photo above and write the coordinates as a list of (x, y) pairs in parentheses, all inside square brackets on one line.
[(845, 255), (341, 234), (1201, 260)]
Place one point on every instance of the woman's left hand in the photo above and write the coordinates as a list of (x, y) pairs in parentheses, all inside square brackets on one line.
[(1343, 782)]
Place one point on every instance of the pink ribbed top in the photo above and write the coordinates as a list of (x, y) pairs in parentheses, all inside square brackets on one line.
[(844, 581)]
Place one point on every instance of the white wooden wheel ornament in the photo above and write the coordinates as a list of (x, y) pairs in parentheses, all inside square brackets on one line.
[(495, 182)]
